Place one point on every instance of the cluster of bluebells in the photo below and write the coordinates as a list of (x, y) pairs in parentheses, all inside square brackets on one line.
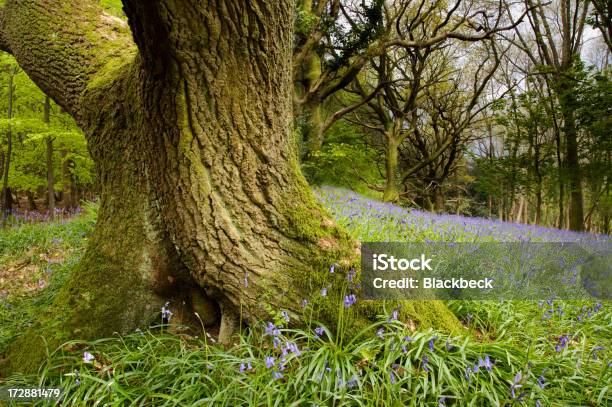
[(516, 385), (349, 300), (284, 346), (562, 344), (409, 224), (17, 216)]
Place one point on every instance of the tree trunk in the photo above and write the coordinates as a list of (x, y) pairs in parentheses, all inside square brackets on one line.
[(438, 198), (576, 211), (31, 201), (201, 190), (50, 179), (538, 208), (391, 192), (311, 112), (6, 192), (65, 174)]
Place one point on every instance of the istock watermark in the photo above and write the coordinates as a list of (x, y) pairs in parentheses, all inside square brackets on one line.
[(486, 271)]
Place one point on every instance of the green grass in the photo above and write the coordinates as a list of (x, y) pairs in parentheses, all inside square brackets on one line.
[(385, 369)]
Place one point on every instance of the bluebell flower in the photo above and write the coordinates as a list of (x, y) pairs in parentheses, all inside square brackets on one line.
[(352, 382), (392, 377), (88, 357), (277, 375), (380, 333), (319, 332), (349, 300), (351, 274), (269, 362), (431, 343), (304, 303), (541, 383), (292, 347), (271, 329), (324, 292), (332, 268), (394, 315), (487, 363), (424, 362), (285, 315), (442, 402)]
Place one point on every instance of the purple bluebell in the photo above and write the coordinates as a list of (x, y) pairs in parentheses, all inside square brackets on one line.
[(424, 363), (269, 362), (351, 274), (285, 316), (354, 381), (319, 331), (349, 300), (271, 329), (88, 357)]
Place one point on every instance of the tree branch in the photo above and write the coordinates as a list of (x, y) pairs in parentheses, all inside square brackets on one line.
[(62, 45)]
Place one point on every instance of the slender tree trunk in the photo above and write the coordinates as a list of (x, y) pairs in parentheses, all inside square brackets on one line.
[(391, 192), (576, 210), (65, 173), (6, 193), (438, 199), (31, 201), (538, 208), (50, 179), (312, 111)]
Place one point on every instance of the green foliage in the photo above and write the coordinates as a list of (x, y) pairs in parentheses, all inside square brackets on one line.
[(28, 171), (345, 160), (304, 21)]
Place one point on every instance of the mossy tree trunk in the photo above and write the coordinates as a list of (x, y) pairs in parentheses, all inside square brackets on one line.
[(188, 116)]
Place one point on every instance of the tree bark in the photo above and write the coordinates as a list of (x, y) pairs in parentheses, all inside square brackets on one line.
[(7, 200), (391, 192), (201, 190), (50, 179), (572, 163)]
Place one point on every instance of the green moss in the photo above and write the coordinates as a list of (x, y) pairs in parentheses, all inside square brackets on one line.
[(324, 243)]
